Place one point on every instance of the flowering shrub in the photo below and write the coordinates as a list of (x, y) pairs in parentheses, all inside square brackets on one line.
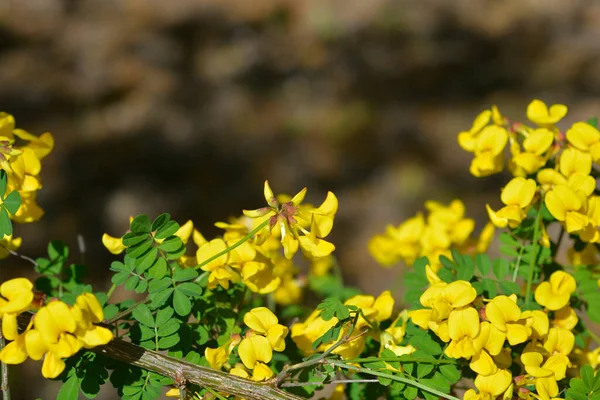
[(231, 320)]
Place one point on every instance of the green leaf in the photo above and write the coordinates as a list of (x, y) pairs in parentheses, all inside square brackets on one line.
[(132, 282), (167, 230), (70, 389), (451, 372), (509, 288), (426, 344), (13, 202), (131, 239), (143, 315), (424, 369), (169, 327), (160, 221), (509, 251), (446, 262), (466, 269), (158, 285), (141, 286), (160, 298), (139, 249), (146, 260), (587, 375), (181, 303), (171, 244), (168, 341), (163, 316), (5, 223), (159, 269), (410, 392), (140, 224), (500, 268), (484, 265), (184, 274), (384, 381), (331, 307), (190, 289)]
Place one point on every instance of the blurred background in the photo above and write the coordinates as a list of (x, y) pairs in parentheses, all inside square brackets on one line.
[(187, 106)]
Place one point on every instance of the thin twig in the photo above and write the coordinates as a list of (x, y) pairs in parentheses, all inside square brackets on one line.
[(296, 384), (126, 312), (24, 257), (534, 256), (317, 360), (4, 388), (343, 365)]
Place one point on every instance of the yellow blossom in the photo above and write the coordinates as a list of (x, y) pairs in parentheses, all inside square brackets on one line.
[(463, 328), (489, 158), (505, 315), (517, 196), (573, 161), (535, 145), (539, 113), (555, 293), (559, 341), (291, 219), (468, 139), (566, 206), (255, 349), (16, 298), (490, 386), (585, 137), (262, 321)]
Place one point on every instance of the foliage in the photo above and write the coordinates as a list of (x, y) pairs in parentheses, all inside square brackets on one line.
[(514, 325)]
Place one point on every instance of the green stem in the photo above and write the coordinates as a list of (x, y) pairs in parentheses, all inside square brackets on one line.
[(518, 263), (536, 234), (237, 244), (397, 378), (403, 359), (110, 291), (215, 393)]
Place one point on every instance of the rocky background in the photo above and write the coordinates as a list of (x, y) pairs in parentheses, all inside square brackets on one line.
[(187, 106)]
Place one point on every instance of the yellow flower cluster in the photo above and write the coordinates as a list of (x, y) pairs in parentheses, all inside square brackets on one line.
[(484, 330), (374, 309), (444, 227), (21, 154), (256, 349), (56, 331), (546, 162), (258, 262)]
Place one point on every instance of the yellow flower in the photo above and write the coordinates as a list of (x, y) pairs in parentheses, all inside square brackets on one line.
[(88, 312), (566, 206), (261, 372), (468, 139), (399, 243), (585, 137), (291, 219), (113, 244), (221, 272), (535, 145), (463, 328), (16, 298), (490, 386), (538, 112), (488, 343), (540, 323), (255, 349), (573, 161), (559, 341), (547, 374), (556, 292), (173, 392), (488, 151), (506, 316), (262, 321), (9, 243), (517, 196)]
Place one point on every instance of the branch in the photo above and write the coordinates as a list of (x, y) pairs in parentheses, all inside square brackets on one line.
[(4, 388), (183, 371)]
